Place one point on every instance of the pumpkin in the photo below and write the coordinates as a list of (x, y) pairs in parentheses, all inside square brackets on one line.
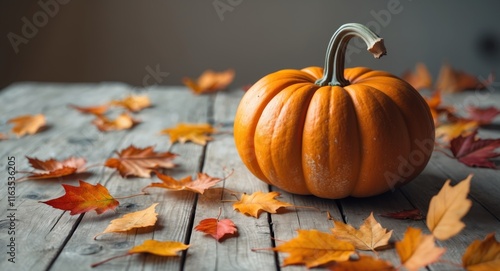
[(335, 132)]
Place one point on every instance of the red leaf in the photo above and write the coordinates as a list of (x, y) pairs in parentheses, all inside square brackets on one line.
[(216, 228), (414, 214), (484, 116), (473, 151)]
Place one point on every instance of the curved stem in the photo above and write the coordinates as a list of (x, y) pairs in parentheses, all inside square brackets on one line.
[(333, 73)]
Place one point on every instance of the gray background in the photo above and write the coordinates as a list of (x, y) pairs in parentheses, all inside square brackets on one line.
[(117, 40)]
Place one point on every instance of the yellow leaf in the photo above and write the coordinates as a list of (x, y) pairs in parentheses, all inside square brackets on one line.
[(370, 235), (418, 250), (133, 103), (447, 208), (27, 124), (255, 203), (139, 219), (160, 248), (183, 132), (447, 132), (482, 255), (314, 248), (364, 263)]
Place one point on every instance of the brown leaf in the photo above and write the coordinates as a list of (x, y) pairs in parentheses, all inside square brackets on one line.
[(364, 263), (475, 152), (482, 255), (202, 183), (451, 80), (210, 81), (123, 122), (133, 161), (370, 235), (93, 110), (27, 124), (134, 103), (420, 79), (418, 250), (217, 228), (257, 202), (447, 208), (313, 248), (52, 168), (414, 214), (183, 132)]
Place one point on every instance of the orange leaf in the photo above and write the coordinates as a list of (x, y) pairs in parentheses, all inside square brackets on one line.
[(202, 183), (3, 136), (27, 124), (139, 219), (183, 132), (314, 248), (210, 81), (53, 169), (140, 162), (93, 110), (123, 122), (482, 255), (86, 197), (451, 80), (133, 103), (447, 132), (370, 235), (418, 250), (447, 208), (216, 228), (364, 263), (255, 203), (420, 79)]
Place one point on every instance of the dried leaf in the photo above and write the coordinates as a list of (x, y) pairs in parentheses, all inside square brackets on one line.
[(52, 168), (370, 235), (3, 136), (93, 110), (217, 228), (123, 122), (451, 80), (414, 214), (364, 263), (483, 116), (183, 132), (202, 183), (418, 250), (447, 132), (134, 103), (84, 198), (257, 202), (482, 255), (447, 208), (436, 108), (133, 161), (210, 81), (475, 152), (313, 248), (420, 79), (27, 124), (139, 219)]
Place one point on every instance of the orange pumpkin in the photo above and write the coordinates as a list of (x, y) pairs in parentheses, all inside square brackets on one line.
[(335, 132)]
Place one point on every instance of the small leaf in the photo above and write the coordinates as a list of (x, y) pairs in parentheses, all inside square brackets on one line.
[(475, 152), (414, 214), (484, 116), (183, 132), (134, 103), (52, 168), (482, 255), (447, 208), (202, 183), (447, 132), (217, 228), (452, 81), (93, 110), (210, 81), (27, 124), (364, 263), (123, 122), (420, 79), (257, 202), (418, 250)]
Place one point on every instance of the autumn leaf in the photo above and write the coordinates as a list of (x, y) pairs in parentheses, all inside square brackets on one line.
[(202, 183), (452, 81), (413, 214), (475, 152), (418, 250), (123, 122), (447, 132), (257, 202), (52, 168), (93, 110), (420, 79), (210, 81), (3, 136), (434, 102), (183, 132), (483, 116), (139, 219), (133, 161), (447, 208), (133, 103), (84, 198), (313, 248), (370, 235), (482, 255), (216, 227), (364, 263), (159, 248), (27, 124)]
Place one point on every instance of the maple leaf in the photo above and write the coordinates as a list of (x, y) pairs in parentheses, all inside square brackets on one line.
[(414, 214), (447, 208), (364, 263), (210, 81), (483, 116), (257, 202), (475, 152), (217, 228), (202, 183), (451, 80), (84, 198), (140, 162), (93, 110), (447, 132), (314, 248), (139, 219), (159, 248), (418, 250), (133, 103), (123, 122), (482, 255), (370, 235), (27, 124), (420, 79), (52, 168), (183, 132)]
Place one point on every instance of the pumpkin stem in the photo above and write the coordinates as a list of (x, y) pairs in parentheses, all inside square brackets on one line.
[(333, 73)]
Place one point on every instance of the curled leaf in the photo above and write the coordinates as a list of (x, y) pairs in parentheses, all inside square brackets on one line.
[(52, 168), (133, 103), (123, 122), (27, 124), (210, 81)]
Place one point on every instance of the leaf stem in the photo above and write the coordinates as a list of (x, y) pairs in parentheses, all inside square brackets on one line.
[(131, 196)]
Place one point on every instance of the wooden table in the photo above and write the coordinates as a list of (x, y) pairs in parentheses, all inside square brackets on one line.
[(50, 239)]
